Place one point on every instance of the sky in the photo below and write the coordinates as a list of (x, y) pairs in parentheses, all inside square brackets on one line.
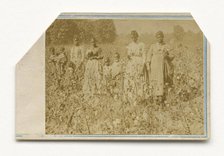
[(152, 26)]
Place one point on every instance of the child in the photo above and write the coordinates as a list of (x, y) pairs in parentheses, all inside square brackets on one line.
[(52, 61), (117, 76), (106, 76), (61, 60), (129, 83), (68, 81)]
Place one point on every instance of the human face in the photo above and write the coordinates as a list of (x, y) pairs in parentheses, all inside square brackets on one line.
[(93, 42), (52, 51), (62, 50), (70, 70), (134, 38), (116, 58), (159, 38), (107, 63), (76, 42)]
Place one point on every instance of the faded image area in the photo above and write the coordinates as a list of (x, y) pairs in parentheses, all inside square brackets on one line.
[(124, 77)]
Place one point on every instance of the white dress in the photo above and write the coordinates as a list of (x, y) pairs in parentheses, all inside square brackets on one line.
[(133, 81), (136, 51), (77, 55)]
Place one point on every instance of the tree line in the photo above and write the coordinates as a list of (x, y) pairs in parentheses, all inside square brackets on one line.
[(63, 31)]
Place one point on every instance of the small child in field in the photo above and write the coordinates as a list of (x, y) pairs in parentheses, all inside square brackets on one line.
[(129, 90), (117, 76), (106, 76), (116, 67), (68, 81), (61, 60), (52, 61)]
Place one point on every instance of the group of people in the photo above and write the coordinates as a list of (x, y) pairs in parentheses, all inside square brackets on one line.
[(127, 78)]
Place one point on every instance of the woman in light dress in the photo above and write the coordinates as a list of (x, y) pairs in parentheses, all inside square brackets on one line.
[(134, 78), (77, 54), (160, 66), (93, 70)]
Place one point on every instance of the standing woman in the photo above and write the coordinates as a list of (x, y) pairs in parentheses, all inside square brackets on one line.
[(159, 62), (93, 70), (136, 55)]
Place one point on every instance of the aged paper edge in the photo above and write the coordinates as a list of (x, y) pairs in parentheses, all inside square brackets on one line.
[(132, 137)]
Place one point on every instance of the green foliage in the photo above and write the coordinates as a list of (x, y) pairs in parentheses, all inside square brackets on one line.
[(105, 31)]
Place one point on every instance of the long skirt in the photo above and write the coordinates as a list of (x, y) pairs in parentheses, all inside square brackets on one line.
[(157, 74), (134, 79), (92, 77)]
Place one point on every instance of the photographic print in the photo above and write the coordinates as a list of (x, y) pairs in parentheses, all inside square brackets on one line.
[(125, 77)]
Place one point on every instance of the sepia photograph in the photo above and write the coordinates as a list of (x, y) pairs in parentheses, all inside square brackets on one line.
[(124, 77), (112, 78)]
